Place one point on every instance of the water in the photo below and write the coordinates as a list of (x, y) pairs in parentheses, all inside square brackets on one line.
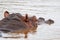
[(49, 9)]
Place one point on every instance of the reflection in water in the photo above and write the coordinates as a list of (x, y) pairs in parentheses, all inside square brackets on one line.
[(14, 35)]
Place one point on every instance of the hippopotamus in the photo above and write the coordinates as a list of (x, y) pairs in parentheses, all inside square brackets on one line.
[(16, 23)]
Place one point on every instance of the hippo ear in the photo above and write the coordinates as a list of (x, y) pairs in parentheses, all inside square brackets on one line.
[(6, 14), (26, 16)]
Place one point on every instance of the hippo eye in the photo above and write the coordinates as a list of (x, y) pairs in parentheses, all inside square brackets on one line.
[(16, 19)]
